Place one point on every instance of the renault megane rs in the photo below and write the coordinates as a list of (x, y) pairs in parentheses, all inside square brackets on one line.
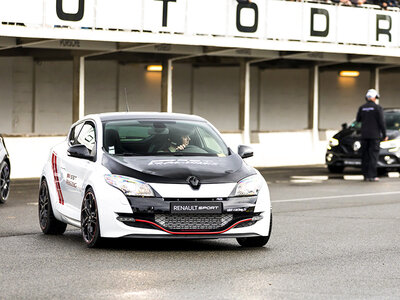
[(4, 172), (152, 175)]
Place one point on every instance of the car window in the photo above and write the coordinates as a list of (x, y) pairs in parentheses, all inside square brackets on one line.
[(87, 137), (210, 142), (392, 120), (355, 125), (162, 137), (74, 133)]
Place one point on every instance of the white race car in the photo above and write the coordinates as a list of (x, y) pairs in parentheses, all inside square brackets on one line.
[(152, 175)]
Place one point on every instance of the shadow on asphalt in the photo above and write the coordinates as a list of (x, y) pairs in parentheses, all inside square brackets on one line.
[(73, 239)]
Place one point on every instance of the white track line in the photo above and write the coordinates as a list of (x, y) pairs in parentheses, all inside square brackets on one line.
[(336, 197)]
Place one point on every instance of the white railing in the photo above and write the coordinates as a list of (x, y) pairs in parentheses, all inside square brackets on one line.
[(263, 24)]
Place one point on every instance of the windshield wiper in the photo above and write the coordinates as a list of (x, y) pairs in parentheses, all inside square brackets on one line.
[(192, 154), (126, 154)]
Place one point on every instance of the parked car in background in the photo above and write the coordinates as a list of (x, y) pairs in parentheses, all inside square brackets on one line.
[(5, 169), (152, 175), (344, 147)]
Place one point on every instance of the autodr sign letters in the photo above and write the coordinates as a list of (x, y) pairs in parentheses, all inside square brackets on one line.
[(264, 19)]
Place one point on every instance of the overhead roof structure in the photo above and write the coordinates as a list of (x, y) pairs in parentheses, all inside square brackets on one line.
[(224, 28)]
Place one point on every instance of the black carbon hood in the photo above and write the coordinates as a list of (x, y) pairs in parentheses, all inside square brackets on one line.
[(356, 134), (177, 169)]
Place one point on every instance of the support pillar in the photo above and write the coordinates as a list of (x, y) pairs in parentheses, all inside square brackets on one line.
[(166, 86), (374, 79), (244, 101), (313, 106), (78, 93)]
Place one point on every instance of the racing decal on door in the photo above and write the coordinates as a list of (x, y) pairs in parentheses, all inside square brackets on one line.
[(71, 180), (56, 178)]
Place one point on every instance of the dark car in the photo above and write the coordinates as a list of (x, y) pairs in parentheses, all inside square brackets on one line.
[(344, 147), (4, 172)]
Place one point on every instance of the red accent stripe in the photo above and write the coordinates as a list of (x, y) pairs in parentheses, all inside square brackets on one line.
[(56, 179), (172, 232)]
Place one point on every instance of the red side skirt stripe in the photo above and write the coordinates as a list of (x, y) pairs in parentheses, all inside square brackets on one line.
[(56, 179)]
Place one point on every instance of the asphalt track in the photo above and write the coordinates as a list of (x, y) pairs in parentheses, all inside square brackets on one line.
[(333, 237)]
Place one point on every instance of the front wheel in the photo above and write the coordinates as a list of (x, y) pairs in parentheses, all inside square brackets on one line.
[(90, 225), (4, 181), (47, 221), (258, 241), (335, 169)]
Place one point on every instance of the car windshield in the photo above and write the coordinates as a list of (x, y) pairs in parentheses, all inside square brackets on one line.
[(392, 120), (162, 137)]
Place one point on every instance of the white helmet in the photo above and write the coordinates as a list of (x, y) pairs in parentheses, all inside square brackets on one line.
[(371, 94)]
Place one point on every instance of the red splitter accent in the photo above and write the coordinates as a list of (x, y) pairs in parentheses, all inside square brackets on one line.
[(199, 232)]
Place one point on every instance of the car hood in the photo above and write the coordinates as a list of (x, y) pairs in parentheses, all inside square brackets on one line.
[(350, 133), (168, 169)]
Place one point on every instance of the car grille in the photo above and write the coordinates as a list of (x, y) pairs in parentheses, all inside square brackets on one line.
[(193, 222)]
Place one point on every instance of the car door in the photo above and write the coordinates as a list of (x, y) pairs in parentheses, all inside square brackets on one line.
[(76, 170)]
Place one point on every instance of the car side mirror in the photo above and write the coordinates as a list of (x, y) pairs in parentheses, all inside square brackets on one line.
[(79, 151), (245, 151), (345, 126)]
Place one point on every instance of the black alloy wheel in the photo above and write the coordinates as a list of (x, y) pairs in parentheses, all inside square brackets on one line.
[(47, 221), (90, 225), (4, 181), (258, 241)]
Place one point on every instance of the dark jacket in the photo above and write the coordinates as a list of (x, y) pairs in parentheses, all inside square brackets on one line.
[(373, 123)]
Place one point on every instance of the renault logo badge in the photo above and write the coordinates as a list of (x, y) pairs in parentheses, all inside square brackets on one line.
[(356, 146), (194, 182)]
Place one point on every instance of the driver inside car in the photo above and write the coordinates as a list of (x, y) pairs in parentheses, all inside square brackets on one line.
[(178, 143)]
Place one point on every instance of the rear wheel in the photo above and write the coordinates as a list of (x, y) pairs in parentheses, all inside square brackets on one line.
[(258, 241), (48, 223), (4, 181), (336, 169), (90, 225)]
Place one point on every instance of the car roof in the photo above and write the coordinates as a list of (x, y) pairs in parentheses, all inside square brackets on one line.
[(392, 110), (104, 117)]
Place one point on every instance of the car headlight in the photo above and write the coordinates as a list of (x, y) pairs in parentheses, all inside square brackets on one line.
[(129, 186), (249, 186), (390, 144), (333, 142)]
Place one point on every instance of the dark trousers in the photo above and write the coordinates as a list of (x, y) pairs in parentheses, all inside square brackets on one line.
[(369, 157)]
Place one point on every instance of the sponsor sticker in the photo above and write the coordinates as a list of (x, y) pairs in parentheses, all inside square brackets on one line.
[(166, 162)]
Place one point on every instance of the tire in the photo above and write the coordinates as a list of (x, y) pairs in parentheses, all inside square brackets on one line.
[(258, 241), (335, 169), (381, 172), (90, 224), (47, 221), (4, 181)]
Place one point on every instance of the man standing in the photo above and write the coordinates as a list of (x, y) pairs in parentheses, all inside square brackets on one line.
[(372, 126)]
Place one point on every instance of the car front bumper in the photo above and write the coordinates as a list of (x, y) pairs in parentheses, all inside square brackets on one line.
[(122, 216), (386, 160)]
